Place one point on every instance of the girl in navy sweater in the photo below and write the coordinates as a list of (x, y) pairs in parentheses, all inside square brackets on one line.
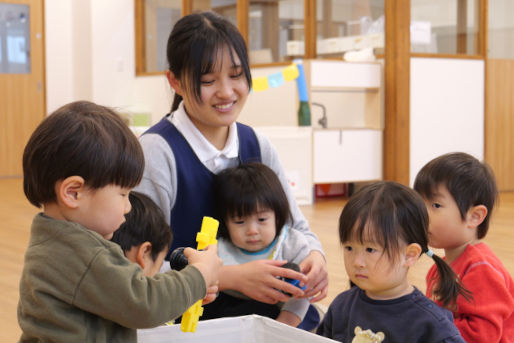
[(383, 230)]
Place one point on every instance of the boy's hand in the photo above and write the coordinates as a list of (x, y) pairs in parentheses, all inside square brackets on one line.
[(314, 266), (207, 262), (212, 293)]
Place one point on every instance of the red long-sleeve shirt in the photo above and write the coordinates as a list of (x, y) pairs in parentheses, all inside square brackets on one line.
[(489, 317)]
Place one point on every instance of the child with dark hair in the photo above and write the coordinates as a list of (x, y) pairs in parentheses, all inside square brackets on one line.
[(144, 237), (255, 224), (77, 286), (460, 193), (383, 229)]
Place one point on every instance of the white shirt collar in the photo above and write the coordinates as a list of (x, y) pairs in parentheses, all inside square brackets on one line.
[(207, 153)]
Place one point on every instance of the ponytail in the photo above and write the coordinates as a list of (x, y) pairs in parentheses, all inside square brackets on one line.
[(449, 285), (176, 101)]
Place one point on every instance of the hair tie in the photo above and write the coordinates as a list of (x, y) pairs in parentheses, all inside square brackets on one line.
[(430, 253)]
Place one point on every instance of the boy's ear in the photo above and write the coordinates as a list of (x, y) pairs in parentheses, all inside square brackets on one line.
[(174, 82), (476, 215), (143, 252), (412, 252), (70, 190)]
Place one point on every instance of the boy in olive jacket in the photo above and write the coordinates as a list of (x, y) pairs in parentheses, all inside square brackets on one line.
[(77, 286)]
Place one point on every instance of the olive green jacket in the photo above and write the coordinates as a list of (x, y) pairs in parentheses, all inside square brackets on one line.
[(77, 286)]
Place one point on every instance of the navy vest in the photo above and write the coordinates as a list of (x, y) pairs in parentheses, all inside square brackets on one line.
[(194, 181)]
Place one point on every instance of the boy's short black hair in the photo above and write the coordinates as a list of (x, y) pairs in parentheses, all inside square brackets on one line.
[(245, 189), (83, 139), (469, 181), (144, 223)]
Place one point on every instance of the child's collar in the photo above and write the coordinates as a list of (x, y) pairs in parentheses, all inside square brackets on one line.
[(270, 247)]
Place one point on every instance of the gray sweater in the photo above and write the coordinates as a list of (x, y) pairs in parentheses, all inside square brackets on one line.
[(78, 287), (160, 179), (290, 245)]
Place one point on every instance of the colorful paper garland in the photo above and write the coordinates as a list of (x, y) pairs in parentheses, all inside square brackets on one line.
[(263, 83)]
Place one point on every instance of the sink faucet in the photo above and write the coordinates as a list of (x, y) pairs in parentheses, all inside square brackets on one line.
[(323, 120)]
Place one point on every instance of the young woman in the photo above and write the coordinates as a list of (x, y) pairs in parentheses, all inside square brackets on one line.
[(209, 72)]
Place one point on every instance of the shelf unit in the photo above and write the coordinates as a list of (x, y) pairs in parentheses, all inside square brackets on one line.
[(350, 148)]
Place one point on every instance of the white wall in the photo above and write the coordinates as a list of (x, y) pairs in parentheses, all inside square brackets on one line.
[(446, 109), (82, 50), (59, 53), (274, 106), (90, 56)]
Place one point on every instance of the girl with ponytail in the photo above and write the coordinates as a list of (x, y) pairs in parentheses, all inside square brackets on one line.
[(383, 230)]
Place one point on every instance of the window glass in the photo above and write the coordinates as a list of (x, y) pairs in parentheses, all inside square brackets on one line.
[(276, 30), (225, 8), (160, 17), (344, 25), (445, 26), (501, 29), (14, 39)]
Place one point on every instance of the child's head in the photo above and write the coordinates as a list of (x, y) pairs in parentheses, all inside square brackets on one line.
[(251, 205), (383, 229), (197, 46), (145, 237), (458, 180), (80, 164)]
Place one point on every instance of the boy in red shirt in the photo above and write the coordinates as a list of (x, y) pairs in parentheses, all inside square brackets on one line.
[(460, 193)]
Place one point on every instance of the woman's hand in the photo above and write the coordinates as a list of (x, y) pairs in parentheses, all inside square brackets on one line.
[(314, 266), (258, 280), (289, 318)]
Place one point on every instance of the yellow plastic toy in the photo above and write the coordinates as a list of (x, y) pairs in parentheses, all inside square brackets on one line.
[(205, 237)]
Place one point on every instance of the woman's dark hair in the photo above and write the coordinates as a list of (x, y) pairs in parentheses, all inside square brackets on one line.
[(194, 47), (469, 181), (144, 223), (389, 213), (82, 139), (247, 188)]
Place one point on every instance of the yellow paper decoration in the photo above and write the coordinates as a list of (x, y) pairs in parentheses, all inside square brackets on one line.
[(260, 84), (263, 83), (291, 72)]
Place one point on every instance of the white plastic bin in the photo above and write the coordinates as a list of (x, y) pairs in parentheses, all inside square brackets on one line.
[(246, 329)]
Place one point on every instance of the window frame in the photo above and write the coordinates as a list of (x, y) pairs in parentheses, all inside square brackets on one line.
[(242, 14)]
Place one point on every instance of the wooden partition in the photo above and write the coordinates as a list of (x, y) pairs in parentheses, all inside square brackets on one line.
[(22, 97), (499, 120), (397, 93)]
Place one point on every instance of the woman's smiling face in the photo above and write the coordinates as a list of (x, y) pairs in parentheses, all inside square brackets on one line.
[(224, 91)]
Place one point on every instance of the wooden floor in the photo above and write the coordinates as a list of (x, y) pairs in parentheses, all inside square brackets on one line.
[(16, 215)]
